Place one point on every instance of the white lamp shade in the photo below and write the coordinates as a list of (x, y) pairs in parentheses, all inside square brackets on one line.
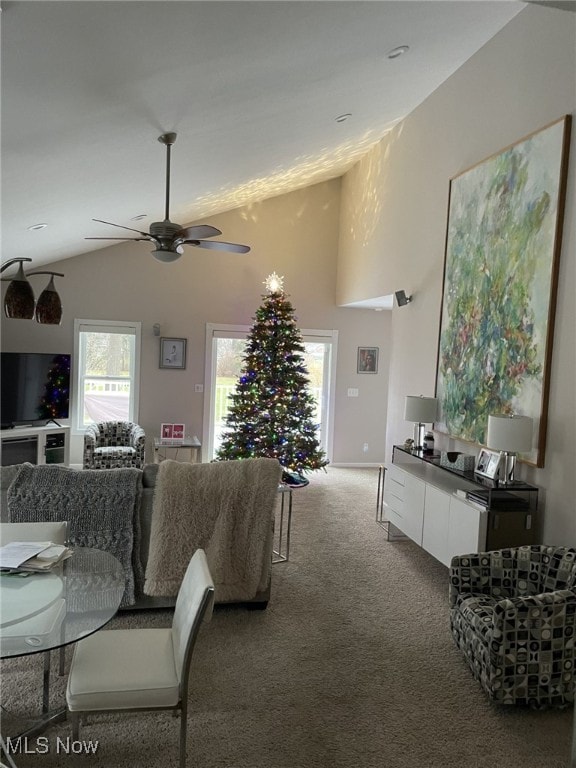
[(509, 433), (423, 410)]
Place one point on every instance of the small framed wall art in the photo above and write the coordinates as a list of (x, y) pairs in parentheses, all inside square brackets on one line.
[(367, 360), (172, 353), (488, 463)]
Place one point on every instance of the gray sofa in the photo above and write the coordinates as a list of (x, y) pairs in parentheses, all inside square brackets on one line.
[(146, 481)]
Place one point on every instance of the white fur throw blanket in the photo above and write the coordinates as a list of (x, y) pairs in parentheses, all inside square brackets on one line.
[(225, 508), (99, 505)]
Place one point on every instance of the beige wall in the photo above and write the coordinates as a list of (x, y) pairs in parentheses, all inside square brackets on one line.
[(295, 235), (393, 222)]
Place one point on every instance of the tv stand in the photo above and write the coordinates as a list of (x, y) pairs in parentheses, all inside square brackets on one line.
[(36, 445)]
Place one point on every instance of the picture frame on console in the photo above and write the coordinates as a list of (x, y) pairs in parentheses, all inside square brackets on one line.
[(488, 463), (172, 432), (503, 244)]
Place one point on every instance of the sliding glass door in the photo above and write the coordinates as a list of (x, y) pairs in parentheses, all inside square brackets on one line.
[(224, 354)]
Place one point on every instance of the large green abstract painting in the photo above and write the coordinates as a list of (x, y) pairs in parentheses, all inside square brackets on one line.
[(500, 277)]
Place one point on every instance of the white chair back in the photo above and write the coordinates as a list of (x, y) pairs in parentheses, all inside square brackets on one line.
[(56, 532), (193, 605)]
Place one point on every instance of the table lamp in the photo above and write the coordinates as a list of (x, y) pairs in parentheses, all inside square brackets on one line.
[(421, 410), (511, 435)]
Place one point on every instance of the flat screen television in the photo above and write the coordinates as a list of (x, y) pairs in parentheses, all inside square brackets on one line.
[(35, 387)]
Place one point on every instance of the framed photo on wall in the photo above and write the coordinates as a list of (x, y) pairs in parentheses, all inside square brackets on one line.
[(367, 360), (500, 282), (172, 353)]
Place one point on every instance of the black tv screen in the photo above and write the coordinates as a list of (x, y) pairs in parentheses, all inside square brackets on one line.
[(35, 387)]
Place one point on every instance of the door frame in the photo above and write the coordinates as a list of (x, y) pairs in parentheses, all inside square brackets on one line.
[(223, 330)]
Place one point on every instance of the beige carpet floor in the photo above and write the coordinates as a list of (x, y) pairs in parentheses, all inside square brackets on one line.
[(351, 666)]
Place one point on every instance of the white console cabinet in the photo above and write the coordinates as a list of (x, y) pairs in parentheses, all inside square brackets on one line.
[(37, 445), (427, 503)]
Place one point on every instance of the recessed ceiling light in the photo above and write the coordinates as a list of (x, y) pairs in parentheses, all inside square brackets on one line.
[(34, 227), (344, 117), (398, 51), (139, 217)]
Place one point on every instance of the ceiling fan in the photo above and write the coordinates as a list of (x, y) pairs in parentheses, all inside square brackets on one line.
[(169, 237)]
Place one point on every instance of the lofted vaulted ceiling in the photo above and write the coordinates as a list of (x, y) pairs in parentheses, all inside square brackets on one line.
[(253, 89)]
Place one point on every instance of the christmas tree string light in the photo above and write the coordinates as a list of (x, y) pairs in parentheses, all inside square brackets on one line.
[(272, 410)]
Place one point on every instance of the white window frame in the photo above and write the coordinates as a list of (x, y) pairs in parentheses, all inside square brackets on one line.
[(104, 326), (216, 330)]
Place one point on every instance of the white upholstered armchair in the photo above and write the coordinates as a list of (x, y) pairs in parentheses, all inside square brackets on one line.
[(114, 444)]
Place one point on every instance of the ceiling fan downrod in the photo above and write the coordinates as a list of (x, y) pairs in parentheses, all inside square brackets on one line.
[(168, 139)]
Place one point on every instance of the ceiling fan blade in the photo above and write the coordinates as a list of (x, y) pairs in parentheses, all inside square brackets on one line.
[(218, 245), (121, 226), (197, 233), (130, 239)]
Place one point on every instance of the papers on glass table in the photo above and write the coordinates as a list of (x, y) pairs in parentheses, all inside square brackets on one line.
[(36, 556)]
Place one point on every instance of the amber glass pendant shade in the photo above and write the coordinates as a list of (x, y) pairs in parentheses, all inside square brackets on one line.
[(49, 306), (19, 298)]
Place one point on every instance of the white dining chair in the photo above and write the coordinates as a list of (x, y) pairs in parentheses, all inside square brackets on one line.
[(56, 533), (143, 669)]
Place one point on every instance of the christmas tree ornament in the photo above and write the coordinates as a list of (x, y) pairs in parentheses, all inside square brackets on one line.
[(274, 283)]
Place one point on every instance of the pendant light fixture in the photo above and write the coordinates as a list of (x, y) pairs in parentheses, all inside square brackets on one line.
[(19, 302), (49, 304)]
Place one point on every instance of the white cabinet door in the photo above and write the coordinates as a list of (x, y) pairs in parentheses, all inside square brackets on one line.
[(436, 523), (467, 531), (414, 491)]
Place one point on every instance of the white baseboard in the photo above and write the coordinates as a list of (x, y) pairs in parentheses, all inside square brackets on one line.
[(367, 465)]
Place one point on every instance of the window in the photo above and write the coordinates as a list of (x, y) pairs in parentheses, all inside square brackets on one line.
[(106, 371)]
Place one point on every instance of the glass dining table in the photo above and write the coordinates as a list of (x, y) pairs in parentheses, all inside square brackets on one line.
[(40, 612)]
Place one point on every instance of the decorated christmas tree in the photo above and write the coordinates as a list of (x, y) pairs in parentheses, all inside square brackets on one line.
[(272, 410), (56, 391)]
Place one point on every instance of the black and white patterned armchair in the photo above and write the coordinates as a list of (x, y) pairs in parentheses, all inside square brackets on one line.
[(114, 444), (513, 615)]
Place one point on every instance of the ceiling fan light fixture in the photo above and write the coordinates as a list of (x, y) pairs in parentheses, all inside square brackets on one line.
[(166, 256)]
